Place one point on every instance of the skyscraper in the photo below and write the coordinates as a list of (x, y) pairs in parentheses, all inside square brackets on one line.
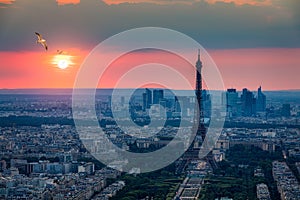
[(157, 96), (248, 103), (147, 99), (206, 103), (230, 98), (260, 101)]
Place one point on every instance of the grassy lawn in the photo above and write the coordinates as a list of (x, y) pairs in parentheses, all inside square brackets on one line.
[(161, 184)]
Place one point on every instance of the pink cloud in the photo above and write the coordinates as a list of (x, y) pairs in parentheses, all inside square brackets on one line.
[(7, 1), (160, 2), (59, 2), (64, 2), (244, 2), (165, 2)]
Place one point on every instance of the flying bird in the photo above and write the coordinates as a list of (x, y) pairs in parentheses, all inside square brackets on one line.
[(61, 52), (41, 41)]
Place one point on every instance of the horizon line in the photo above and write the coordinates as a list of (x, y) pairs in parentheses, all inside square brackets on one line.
[(11, 89)]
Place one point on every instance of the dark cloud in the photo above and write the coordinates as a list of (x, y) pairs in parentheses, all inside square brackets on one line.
[(84, 25)]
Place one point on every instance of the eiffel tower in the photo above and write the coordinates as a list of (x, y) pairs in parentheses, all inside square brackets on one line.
[(199, 114), (198, 126)]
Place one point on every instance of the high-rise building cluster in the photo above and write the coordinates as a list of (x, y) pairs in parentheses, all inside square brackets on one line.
[(149, 99), (174, 105), (246, 104)]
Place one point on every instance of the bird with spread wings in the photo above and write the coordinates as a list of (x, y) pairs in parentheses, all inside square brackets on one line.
[(41, 41)]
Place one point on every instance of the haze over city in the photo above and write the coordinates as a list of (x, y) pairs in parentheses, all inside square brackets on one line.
[(150, 99)]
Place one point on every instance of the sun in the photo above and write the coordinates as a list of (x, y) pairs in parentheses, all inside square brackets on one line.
[(62, 61), (63, 64)]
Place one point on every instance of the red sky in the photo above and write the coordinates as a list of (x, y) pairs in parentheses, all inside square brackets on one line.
[(253, 42), (272, 68), (237, 2)]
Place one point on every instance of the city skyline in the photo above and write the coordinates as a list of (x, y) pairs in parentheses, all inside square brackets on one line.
[(150, 99)]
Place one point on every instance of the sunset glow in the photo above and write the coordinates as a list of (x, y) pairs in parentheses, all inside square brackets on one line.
[(62, 61), (63, 2), (149, 99), (271, 68), (7, 1), (163, 2), (253, 42), (244, 2)]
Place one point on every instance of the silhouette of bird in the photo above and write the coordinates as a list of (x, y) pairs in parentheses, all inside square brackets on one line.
[(41, 41), (61, 52)]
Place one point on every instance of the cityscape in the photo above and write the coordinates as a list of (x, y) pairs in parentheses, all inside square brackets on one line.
[(257, 155), (149, 100)]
